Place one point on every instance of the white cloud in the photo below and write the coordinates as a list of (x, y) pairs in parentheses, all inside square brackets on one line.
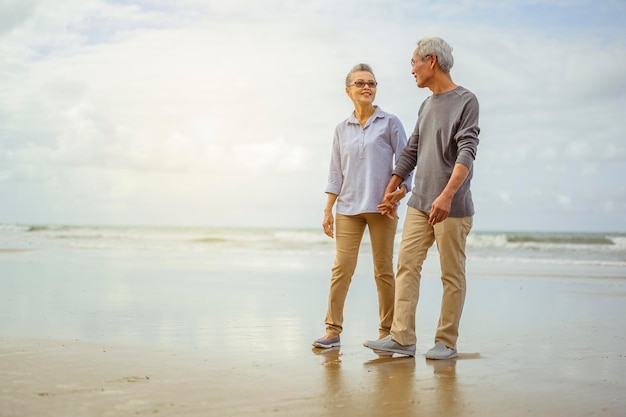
[(564, 201)]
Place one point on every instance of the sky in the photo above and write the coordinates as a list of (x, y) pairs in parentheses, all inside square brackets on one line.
[(222, 113)]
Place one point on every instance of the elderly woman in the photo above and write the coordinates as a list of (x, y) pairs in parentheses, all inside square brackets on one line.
[(365, 148)]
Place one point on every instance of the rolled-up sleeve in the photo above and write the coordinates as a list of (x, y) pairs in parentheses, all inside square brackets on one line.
[(405, 163), (467, 134), (399, 143), (335, 176)]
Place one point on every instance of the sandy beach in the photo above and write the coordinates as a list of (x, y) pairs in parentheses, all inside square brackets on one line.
[(121, 333)]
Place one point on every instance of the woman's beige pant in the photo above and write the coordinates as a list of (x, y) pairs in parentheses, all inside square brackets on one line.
[(348, 234)]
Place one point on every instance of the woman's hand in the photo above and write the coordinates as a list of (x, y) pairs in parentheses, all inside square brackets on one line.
[(387, 208), (328, 224)]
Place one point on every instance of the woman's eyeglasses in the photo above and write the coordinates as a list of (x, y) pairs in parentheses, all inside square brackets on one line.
[(361, 84)]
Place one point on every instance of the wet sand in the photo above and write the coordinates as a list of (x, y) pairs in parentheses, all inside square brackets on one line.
[(96, 333)]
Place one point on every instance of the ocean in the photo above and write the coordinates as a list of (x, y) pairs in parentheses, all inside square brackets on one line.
[(550, 248)]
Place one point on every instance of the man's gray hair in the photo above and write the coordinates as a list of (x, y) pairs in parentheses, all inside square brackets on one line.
[(359, 67), (439, 48)]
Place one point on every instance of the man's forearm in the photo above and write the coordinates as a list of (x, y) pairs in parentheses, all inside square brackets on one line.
[(459, 174), (394, 182)]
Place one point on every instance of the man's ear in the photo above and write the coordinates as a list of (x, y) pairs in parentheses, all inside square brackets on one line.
[(433, 60)]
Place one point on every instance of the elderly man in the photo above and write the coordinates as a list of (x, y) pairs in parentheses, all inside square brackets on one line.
[(442, 150)]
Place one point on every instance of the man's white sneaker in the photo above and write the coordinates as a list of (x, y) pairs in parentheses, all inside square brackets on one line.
[(387, 344), (441, 351)]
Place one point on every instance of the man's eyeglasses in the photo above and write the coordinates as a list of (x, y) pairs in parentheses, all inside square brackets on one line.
[(361, 84), (413, 61)]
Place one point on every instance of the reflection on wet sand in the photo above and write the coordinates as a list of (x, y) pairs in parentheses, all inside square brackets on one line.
[(392, 386), (393, 391), (400, 391), (334, 397), (445, 395)]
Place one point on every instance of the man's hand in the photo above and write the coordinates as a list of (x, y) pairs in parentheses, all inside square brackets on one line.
[(440, 209)]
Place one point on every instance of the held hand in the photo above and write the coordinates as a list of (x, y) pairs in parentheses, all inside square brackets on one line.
[(328, 224), (389, 205), (440, 209), (396, 196), (388, 210)]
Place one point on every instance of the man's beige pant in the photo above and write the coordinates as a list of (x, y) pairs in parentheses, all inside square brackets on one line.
[(417, 237), (348, 234)]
